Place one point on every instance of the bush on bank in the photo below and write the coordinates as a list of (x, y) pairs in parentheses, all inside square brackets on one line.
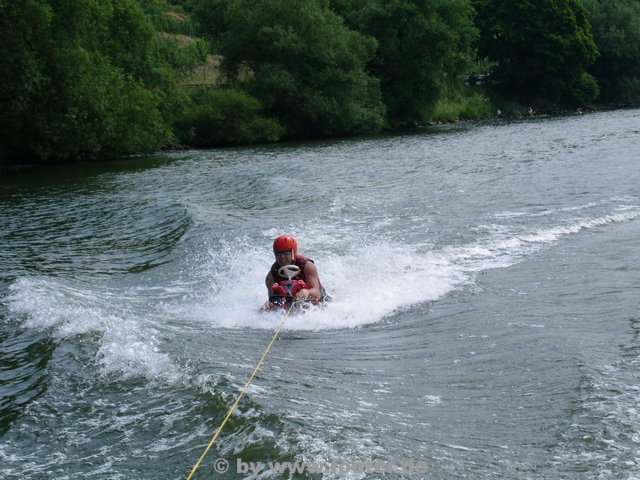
[(224, 116), (82, 80), (299, 59), (95, 80), (463, 107), (616, 31)]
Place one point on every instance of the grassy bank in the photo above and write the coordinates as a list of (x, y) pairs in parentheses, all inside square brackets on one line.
[(463, 106)]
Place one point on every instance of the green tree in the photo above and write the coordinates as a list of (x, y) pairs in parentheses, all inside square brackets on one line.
[(299, 59), (616, 30), (80, 79), (23, 40), (223, 116), (425, 47), (543, 48)]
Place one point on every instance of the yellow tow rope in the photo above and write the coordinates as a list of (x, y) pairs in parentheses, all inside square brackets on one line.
[(244, 389)]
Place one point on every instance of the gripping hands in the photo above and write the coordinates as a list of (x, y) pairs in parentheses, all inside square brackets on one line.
[(286, 290), (278, 290)]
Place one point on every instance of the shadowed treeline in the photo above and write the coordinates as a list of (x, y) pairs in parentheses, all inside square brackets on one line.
[(93, 80)]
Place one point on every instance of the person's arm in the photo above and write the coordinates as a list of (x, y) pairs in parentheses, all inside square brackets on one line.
[(269, 281), (311, 277)]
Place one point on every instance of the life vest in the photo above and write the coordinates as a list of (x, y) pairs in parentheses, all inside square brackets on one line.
[(299, 261)]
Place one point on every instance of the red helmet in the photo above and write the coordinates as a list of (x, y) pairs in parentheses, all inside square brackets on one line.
[(285, 243)]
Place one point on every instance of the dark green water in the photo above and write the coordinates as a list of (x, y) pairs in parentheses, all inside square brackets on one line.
[(484, 324)]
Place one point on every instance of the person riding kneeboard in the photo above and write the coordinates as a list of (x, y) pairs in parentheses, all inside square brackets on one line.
[(292, 277)]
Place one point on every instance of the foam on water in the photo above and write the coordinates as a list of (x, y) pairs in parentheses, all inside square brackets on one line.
[(392, 231), (127, 341), (386, 279), (373, 280), (367, 283)]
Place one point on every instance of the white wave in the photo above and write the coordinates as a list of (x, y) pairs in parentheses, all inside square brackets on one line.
[(503, 249), (551, 211), (370, 281), (127, 343), (552, 234), (367, 283)]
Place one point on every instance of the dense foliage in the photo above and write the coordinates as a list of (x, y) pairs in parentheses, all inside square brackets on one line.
[(542, 48), (222, 116), (424, 46), (300, 60), (81, 79), (616, 30), (100, 79)]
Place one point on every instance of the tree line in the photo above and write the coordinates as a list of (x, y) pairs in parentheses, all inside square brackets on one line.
[(101, 79)]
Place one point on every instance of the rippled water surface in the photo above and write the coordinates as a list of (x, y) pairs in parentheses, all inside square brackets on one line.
[(484, 321)]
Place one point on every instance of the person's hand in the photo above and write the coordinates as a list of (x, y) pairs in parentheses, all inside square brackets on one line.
[(301, 290), (302, 294)]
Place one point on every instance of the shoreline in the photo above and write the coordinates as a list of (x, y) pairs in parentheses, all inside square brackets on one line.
[(520, 114)]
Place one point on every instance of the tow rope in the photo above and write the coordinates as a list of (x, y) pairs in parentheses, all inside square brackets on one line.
[(244, 389)]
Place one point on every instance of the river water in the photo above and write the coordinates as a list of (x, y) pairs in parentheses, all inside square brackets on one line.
[(484, 321)]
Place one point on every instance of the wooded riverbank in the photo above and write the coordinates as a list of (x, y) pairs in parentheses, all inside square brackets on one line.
[(83, 81)]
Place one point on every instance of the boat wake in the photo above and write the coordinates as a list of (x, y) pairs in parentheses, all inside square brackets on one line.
[(129, 322)]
